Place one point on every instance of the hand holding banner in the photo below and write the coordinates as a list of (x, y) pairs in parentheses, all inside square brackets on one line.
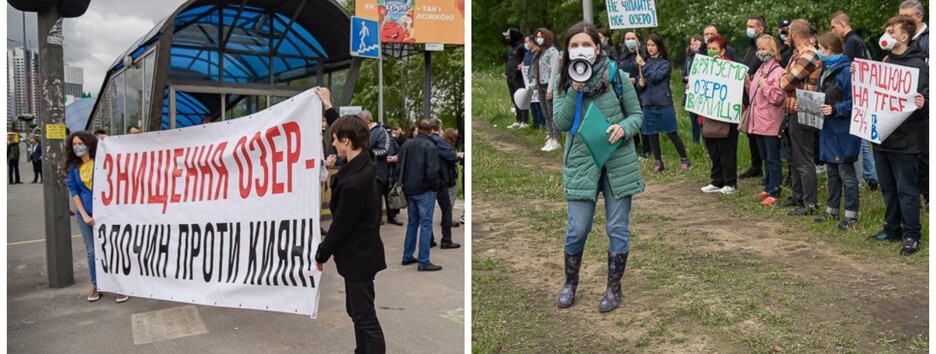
[(716, 89), (810, 112), (882, 98)]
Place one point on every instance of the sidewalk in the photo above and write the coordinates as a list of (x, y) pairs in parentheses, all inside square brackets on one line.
[(419, 312)]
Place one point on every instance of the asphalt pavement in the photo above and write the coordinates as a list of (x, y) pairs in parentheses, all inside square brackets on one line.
[(419, 311)]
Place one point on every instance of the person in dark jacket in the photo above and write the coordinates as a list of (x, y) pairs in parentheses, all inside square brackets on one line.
[(896, 156), (421, 178), (631, 50), (607, 46), (379, 145), (756, 25), (392, 172), (914, 9), (447, 160), (513, 38), (13, 157), (354, 235), (692, 48), (838, 149), (786, 50), (36, 157), (657, 101)]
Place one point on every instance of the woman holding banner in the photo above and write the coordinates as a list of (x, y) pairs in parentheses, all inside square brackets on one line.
[(767, 115), (723, 150), (602, 115), (837, 148), (79, 159), (657, 101), (354, 235)]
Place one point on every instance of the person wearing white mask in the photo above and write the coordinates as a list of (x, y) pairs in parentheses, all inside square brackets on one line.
[(545, 69), (618, 178), (755, 29), (896, 158)]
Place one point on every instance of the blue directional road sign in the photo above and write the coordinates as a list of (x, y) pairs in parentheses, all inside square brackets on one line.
[(365, 38)]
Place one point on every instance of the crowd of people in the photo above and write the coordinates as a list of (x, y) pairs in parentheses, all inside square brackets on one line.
[(798, 57)]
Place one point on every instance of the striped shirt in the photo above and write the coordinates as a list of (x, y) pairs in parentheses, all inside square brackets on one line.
[(803, 72)]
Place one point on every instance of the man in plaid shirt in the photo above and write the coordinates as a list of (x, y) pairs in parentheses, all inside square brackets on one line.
[(803, 73)]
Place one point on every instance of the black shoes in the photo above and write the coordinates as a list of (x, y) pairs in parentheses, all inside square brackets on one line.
[(411, 261), (803, 210), (910, 247), (395, 222), (789, 202), (750, 173), (846, 223), (448, 245), (882, 236), (873, 184), (573, 262), (429, 267), (617, 262), (826, 217), (433, 244)]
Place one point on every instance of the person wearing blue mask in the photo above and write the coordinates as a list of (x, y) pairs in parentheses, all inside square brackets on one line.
[(607, 46), (838, 149), (628, 63), (755, 29)]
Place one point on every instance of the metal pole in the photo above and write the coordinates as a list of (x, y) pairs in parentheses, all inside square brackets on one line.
[(380, 87), (427, 86), (588, 11), (52, 115)]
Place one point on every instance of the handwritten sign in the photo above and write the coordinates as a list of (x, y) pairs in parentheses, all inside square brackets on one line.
[(716, 89), (809, 112), (632, 13), (882, 98), (223, 214)]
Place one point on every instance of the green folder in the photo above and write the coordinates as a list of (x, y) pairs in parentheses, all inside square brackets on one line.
[(593, 131)]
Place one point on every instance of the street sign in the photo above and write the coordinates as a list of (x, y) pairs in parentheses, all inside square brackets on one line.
[(365, 38)]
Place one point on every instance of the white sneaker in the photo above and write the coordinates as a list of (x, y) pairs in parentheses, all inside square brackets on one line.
[(711, 189), (523, 126), (514, 125), (552, 145), (546, 145), (728, 190)]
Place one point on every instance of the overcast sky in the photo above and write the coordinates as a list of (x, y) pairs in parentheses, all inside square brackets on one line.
[(94, 40)]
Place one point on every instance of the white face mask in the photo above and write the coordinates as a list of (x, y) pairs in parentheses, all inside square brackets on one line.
[(887, 42), (587, 53), (750, 33), (539, 41)]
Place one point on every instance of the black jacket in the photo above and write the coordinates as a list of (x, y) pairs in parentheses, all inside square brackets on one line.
[(515, 54), (911, 137), (854, 46), (447, 161), (419, 159), (923, 42), (380, 146), (750, 58), (354, 235), (627, 61)]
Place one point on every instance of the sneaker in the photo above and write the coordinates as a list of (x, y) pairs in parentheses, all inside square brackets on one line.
[(789, 202), (523, 126), (750, 173), (873, 184), (658, 167), (846, 223), (94, 295), (883, 236), (820, 169), (462, 220), (547, 145), (711, 189), (728, 190), (803, 211), (762, 195), (552, 145), (514, 125), (684, 165), (429, 267), (121, 298), (910, 246), (826, 217), (770, 201)]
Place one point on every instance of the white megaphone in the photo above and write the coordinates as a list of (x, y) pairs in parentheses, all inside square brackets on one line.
[(522, 98), (580, 70)]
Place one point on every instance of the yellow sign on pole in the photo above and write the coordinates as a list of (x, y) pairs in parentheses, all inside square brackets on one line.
[(55, 131)]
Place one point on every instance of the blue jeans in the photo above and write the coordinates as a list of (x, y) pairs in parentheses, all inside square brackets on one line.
[(897, 174), (539, 121), (867, 162), (617, 215), (769, 147), (843, 180), (87, 234), (420, 212)]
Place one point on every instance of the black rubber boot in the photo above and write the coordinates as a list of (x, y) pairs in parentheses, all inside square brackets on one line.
[(573, 262), (617, 262)]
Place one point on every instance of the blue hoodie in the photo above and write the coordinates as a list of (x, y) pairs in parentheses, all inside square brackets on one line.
[(836, 145)]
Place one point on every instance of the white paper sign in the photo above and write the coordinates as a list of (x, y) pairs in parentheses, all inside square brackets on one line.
[(223, 214), (631, 13), (716, 89), (882, 98), (810, 112)]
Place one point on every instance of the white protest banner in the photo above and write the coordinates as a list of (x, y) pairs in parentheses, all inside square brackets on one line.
[(222, 214), (716, 89), (882, 98), (809, 111), (631, 13)]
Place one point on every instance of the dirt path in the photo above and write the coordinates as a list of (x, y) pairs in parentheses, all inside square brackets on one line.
[(703, 278)]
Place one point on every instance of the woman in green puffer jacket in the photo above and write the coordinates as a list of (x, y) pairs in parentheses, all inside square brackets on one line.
[(618, 179)]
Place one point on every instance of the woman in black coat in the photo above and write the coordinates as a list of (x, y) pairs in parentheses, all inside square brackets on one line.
[(354, 235)]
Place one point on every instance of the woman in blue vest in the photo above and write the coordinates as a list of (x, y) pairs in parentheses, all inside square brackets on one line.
[(657, 101)]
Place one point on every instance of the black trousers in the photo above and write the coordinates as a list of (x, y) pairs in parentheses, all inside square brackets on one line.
[(385, 191), (757, 162), (523, 115), (359, 302), (14, 171), (803, 140), (445, 203), (37, 171), (724, 155)]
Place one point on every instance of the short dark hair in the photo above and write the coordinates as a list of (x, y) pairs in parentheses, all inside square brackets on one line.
[(100, 131), (760, 20), (661, 47), (424, 126), (353, 128), (905, 22)]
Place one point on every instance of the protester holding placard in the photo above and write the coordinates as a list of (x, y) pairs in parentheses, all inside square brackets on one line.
[(722, 150), (803, 73), (896, 156), (657, 101), (354, 235), (545, 69), (767, 115), (838, 149), (599, 157), (692, 48)]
